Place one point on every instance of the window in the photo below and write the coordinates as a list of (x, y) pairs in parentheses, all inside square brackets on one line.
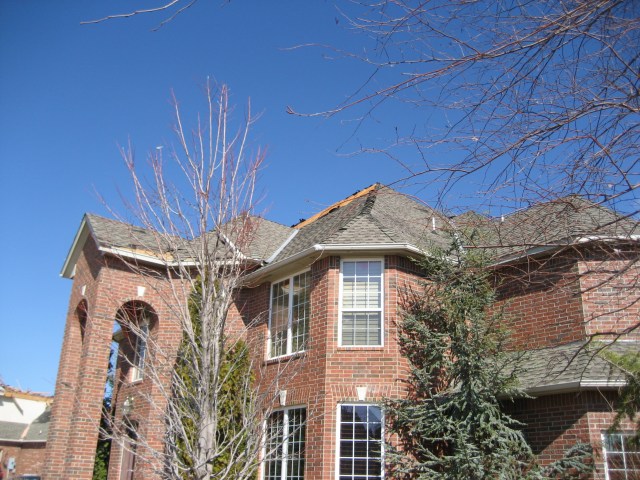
[(360, 442), (289, 322), (361, 299), (622, 457), (285, 445), (140, 351)]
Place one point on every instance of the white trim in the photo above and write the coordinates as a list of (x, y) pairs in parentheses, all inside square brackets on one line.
[(382, 301), (289, 347), (575, 386), (281, 247), (320, 249), (284, 447), (569, 241), (338, 437), (68, 271)]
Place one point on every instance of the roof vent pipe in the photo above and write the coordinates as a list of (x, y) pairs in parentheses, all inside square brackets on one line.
[(433, 224)]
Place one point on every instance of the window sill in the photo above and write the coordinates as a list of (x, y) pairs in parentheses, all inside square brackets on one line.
[(285, 358), (360, 347)]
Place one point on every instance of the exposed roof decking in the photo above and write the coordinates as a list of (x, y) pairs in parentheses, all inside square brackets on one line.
[(375, 216), (380, 216)]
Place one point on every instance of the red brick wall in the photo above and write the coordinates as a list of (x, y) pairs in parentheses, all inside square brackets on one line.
[(555, 423), (611, 295), (105, 284), (29, 457), (542, 302), (327, 374)]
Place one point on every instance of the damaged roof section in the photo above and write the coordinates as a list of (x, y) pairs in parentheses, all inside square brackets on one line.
[(376, 217)]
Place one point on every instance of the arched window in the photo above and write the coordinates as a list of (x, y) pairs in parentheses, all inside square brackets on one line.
[(136, 318)]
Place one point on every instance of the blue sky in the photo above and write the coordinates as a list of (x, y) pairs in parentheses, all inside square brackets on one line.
[(71, 93)]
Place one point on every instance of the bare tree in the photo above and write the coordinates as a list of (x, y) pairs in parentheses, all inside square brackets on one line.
[(534, 100), (212, 399)]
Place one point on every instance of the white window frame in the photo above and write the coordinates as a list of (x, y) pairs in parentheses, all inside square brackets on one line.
[(339, 437), (285, 445), (380, 309), (289, 348), (624, 453), (142, 341)]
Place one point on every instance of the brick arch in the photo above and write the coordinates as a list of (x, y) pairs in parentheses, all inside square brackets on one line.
[(134, 311)]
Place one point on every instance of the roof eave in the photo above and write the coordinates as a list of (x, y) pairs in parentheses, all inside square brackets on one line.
[(581, 240), (575, 386), (69, 266), (319, 250)]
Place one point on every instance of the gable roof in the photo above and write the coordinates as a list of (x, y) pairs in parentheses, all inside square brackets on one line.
[(256, 237)]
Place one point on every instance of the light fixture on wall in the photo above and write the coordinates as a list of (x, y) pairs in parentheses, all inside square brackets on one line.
[(362, 393), (127, 406)]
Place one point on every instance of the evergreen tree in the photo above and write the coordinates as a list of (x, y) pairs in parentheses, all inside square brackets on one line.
[(451, 424)]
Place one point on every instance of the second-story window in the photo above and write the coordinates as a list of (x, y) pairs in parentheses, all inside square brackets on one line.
[(289, 320), (361, 303)]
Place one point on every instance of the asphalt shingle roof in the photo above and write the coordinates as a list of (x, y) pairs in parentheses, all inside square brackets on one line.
[(380, 215), (12, 430), (39, 428), (570, 366), (559, 222)]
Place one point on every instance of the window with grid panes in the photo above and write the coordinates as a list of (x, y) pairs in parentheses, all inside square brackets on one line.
[(360, 442), (140, 351), (622, 456), (289, 320), (361, 303), (285, 445)]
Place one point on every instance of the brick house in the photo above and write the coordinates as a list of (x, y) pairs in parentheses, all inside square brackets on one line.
[(324, 295)]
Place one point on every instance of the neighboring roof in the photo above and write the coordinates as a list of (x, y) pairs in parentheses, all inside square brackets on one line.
[(39, 428), (12, 431), (560, 222), (37, 431), (571, 367)]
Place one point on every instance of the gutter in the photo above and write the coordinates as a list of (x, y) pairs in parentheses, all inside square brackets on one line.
[(575, 241), (320, 249), (574, 387), (151, 259)]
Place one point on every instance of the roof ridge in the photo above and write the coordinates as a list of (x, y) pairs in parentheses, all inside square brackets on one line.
[(341, 203)]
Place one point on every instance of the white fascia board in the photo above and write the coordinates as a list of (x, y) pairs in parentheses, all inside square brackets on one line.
[(68, 268), (141, 257), (153, 260), (232, 245), (281, 247), (569, 242), (320, 249), (575, 386)]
